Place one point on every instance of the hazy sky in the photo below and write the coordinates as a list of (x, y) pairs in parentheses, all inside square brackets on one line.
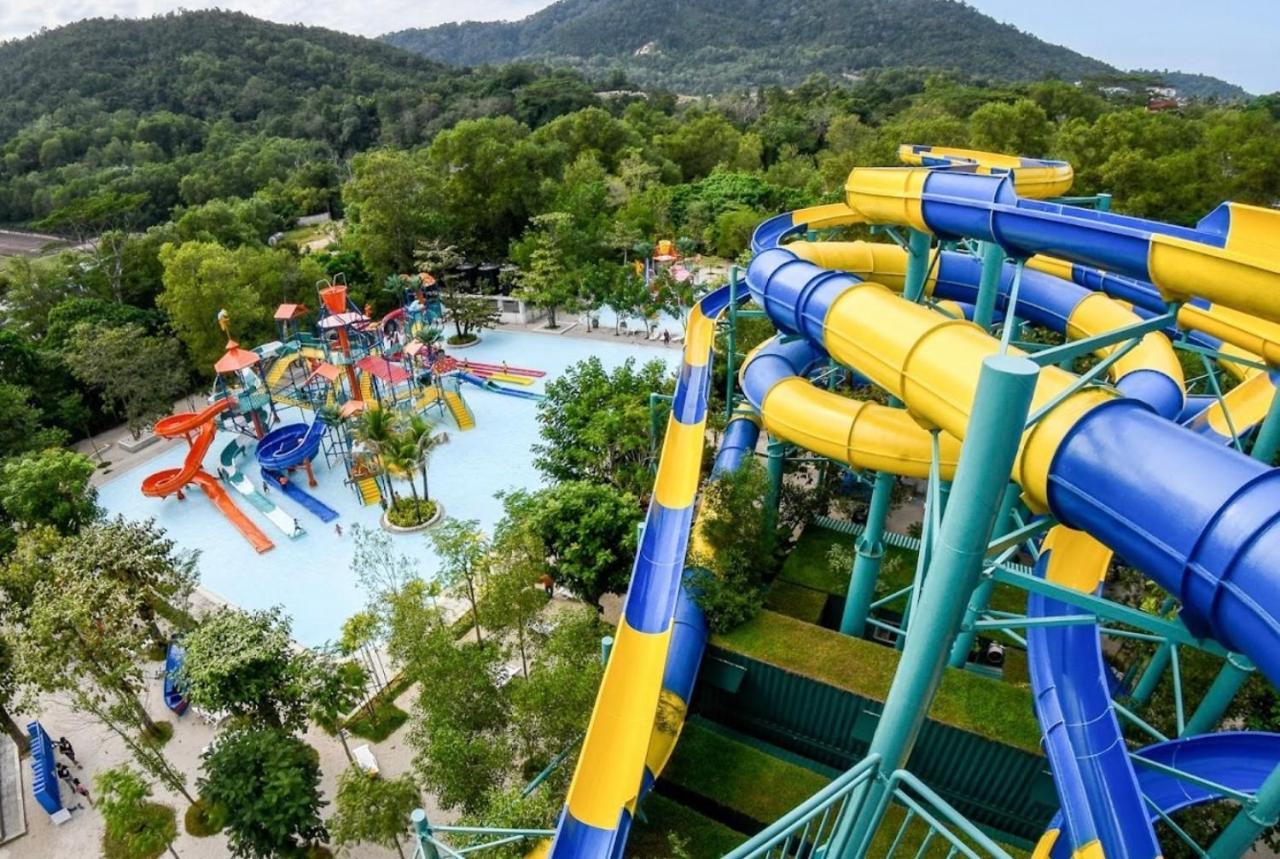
[(1232, 39)]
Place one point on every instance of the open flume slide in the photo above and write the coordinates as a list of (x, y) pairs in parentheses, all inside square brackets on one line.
[(171, 481), (288, 447)]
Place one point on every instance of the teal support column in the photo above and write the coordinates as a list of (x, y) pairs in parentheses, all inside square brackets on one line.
[(995, 428), (984, 308), (917, 265), (776, 459), (1252, 820), (1159, 664), (1267, 442), (422, 831), (1103, 203), (606, 647), (1235, 671), (866, 564), (1152, 675), (731, 346), (982, 594)]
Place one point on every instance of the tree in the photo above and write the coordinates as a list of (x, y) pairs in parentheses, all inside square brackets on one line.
[(336, 686), (9, 696), (139, 556), (463, 550), (244, 663), (594, 424), (587, 531), (547, 281), (138, 374), (269, 783), (49, 488), (203, 278), (380, 569), (510, 602), (732, 571), (78, 636), (137, 828), (372, 810), (390, 199), (425, 441)]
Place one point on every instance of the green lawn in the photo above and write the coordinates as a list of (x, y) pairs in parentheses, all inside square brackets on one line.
[(667, 822), (990, 708), (738, 776), (807, 566)]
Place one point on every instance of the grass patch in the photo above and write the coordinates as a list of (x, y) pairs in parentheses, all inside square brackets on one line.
[(807, 565), (203, 820), (406, 513), (179, 618), (455, 340), (159, 735), (156, 652), (739, 777), (798, 601), (386, 717), (980, 705), (153, 817), (668, 822), (913, 838)]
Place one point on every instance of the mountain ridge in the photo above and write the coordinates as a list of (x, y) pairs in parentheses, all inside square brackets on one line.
[(691, 45)]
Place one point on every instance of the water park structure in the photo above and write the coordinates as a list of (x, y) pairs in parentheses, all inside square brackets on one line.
[(290, 402), (1078, 454)]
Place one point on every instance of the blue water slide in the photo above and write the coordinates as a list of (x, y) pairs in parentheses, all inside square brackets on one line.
[(174, 698), (490, 385), (288, 447)]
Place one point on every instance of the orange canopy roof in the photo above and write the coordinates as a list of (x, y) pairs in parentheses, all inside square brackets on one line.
[(287, 312), (235, 359)]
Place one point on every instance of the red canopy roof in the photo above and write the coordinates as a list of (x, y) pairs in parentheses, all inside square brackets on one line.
[(287, 312), (383, 368), (325, 371), (235, 359)]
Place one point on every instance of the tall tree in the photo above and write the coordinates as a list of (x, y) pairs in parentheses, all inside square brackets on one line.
[(269, 783), (391, 198), (245, 663), (136, 828), (463, 550), (336, 686), (49, 488), (372, 810), (138, 374)]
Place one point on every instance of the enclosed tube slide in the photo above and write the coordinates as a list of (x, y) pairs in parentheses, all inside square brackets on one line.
[(1097, 461), (171, 481)]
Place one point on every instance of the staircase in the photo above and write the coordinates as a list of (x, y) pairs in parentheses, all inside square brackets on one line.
[(458, 408), (366, 391), (369, 492)]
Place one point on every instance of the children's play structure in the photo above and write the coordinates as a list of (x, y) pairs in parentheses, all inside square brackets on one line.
[(348, 363), (1079, 453)]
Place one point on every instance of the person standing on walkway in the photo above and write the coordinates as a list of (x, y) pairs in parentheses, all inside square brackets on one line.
[(64, 746)]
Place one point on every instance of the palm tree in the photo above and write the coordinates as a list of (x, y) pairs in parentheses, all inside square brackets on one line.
[(376, 428), (419, 428), (399, 456)]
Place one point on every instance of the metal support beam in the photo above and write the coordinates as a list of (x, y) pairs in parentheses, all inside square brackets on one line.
[(982, 594), (1000, 406), (1152, 675), (1075, 348), (866, 563), (1213, 706), (1267, 441), (1252, 820), (917, 265), (422, 831), (776, 459), (984, 308)]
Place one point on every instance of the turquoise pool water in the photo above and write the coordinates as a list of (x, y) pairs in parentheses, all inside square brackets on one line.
[(310, 576)]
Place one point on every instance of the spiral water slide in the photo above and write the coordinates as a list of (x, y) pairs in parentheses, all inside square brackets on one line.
[(1110, 463), (171, 481)]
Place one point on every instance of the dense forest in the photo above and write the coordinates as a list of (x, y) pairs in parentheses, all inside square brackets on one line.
[(518, 164), (692, 46)]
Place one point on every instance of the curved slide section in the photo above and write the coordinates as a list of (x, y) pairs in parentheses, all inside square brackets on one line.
[(171, 481), (288, 447), (609, 775)]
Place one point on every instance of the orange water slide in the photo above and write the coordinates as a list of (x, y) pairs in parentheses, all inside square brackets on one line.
[(171, 481)]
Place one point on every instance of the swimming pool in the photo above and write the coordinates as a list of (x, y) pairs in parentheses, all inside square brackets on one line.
[(310, 576)]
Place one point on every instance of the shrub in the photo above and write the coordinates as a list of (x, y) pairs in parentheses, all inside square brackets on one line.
[(405, 512)]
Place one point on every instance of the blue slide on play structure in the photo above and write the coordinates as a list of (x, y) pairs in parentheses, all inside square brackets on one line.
[(490, 385), (288, 447)]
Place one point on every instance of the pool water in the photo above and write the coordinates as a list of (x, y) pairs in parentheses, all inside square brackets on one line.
[(310, 576)]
